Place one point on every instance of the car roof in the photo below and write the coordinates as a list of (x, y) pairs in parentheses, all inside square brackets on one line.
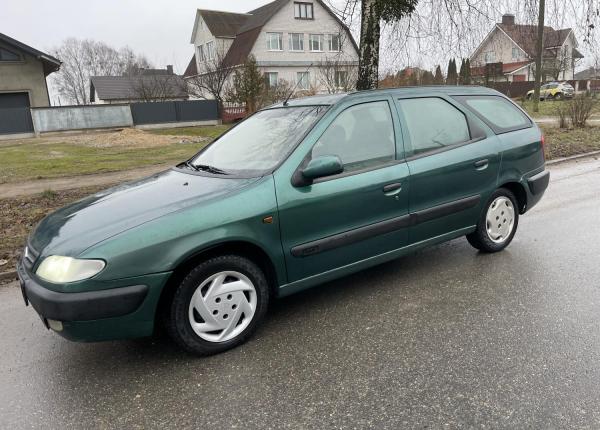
[(332, 99)]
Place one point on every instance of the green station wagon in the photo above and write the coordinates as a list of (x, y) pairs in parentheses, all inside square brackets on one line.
[(296, 195)]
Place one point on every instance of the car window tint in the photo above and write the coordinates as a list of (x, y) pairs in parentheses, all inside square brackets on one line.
[(362, 136), (499, 113), (433, 123)]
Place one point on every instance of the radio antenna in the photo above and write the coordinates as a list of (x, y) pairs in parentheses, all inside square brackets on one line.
[(285, 103)]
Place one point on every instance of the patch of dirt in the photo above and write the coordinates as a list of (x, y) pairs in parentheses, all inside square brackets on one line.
[(127, 137)]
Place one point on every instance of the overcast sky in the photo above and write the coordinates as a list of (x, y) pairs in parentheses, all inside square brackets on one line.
[(159, 29)]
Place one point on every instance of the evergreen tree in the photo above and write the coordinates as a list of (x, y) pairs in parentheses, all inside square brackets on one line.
[(468, 72), (438, 78), (451, 77), (248, 84), (427, 78), (461, 73)]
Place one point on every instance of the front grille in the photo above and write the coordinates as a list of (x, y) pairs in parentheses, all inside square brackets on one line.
[(30, 256)]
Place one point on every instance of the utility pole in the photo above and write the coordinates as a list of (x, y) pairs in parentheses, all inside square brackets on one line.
[(539, 57)]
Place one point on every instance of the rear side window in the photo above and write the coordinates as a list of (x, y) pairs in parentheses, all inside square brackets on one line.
[(433, 124), (500, 114), (362, 136)]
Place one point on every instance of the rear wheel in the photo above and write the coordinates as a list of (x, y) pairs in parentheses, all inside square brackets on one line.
[(218, 305), (558, 96), (497, 224)]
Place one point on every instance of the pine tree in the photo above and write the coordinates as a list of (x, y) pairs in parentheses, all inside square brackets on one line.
[(451, 77), (438, 78), (461, 73), (468, 72), (427, 78), (248, 84)]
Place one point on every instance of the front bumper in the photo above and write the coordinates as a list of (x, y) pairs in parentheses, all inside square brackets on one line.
[(124, 309)]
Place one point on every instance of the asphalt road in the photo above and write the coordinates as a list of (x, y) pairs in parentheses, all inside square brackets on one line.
[(447, 337)]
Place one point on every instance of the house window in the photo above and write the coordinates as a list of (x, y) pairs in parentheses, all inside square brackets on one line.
[(303, 79), (334, 43), (274, 41), (6, 55), (271, 79), (210, 50), (341, 78), (316, 42), (303, 11), (296, 42), (515, 53), (490, 57), (201, 53)]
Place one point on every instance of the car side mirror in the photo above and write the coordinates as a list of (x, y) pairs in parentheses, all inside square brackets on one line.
[(319, 167)]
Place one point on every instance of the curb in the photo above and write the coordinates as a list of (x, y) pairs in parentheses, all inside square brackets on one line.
[(9, 276), (572, 157)]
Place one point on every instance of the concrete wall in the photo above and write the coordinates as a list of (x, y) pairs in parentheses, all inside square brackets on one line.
[(81, 117), (26, 75)]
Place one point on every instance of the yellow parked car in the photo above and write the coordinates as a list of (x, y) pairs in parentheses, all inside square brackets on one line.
[(554, 91)]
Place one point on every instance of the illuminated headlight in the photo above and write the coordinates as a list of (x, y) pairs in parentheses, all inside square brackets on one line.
[(59, 269)]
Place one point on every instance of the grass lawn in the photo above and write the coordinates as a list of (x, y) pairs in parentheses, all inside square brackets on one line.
[(549, 108), (20, 215), (566, 142), (210, 132), (52, 160)]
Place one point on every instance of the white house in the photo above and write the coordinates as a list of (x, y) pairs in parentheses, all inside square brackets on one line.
[(513, 46), (293, 41)]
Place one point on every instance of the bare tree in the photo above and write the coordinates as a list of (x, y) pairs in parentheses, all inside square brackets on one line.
[(82, 59), (337, 75), (213, 80)]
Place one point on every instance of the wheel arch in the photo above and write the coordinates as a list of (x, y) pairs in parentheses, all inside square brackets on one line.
[(520, 194), (242, 248)]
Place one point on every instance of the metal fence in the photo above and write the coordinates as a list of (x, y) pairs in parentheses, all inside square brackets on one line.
[(15, 120), (174, 111)]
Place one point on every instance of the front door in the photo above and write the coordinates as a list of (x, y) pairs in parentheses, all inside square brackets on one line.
[(453, 162), (360, 213)]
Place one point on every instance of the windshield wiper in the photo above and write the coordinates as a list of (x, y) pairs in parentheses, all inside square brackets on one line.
[(206, 168)]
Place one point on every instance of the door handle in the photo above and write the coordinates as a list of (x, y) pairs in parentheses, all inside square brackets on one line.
[(481, 164), (390, 188)]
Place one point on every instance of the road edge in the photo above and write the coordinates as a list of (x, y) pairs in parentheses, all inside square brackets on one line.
[(572, 157)]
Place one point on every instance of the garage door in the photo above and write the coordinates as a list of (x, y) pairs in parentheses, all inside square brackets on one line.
[(15, 116)]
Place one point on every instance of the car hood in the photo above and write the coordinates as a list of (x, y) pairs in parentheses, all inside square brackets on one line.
[(74, 228)]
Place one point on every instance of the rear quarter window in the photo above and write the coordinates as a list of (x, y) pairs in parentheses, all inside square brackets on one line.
[(497, 112)]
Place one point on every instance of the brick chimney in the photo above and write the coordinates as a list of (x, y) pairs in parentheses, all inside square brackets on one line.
[(169, 69), (508, 19)]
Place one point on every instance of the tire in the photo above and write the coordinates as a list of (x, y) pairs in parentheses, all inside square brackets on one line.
[(488, 238), (529, 96), (208, 314), (558, 96)]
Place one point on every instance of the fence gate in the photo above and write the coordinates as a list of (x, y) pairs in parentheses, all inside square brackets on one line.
[(174, 111)]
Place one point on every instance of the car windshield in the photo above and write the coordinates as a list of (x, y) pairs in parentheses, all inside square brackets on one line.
[(258, 144)]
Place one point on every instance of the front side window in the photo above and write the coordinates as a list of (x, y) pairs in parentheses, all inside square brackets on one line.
[(296, 42), (303, 10), (334, 43), (302, 78), (274, 41), (433, 123), (6, 55), (260, 143), (362, 136), (499, 113), (271, 79), (316, 42)]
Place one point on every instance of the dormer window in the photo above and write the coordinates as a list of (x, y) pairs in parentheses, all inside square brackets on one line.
[(303, 10)]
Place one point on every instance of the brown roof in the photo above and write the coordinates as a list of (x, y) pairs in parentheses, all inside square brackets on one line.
[(223, 24), (191, 69), (526, 35), (506, 68), (241, 47)]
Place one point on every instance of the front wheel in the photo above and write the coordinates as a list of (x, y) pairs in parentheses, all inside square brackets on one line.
[(497, 224), (558, 96), (218, 305)]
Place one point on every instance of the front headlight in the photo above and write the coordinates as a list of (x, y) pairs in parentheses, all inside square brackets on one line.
[(58, 269)]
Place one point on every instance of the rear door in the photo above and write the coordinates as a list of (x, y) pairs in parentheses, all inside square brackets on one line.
[(360, 213), (453, 162)]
